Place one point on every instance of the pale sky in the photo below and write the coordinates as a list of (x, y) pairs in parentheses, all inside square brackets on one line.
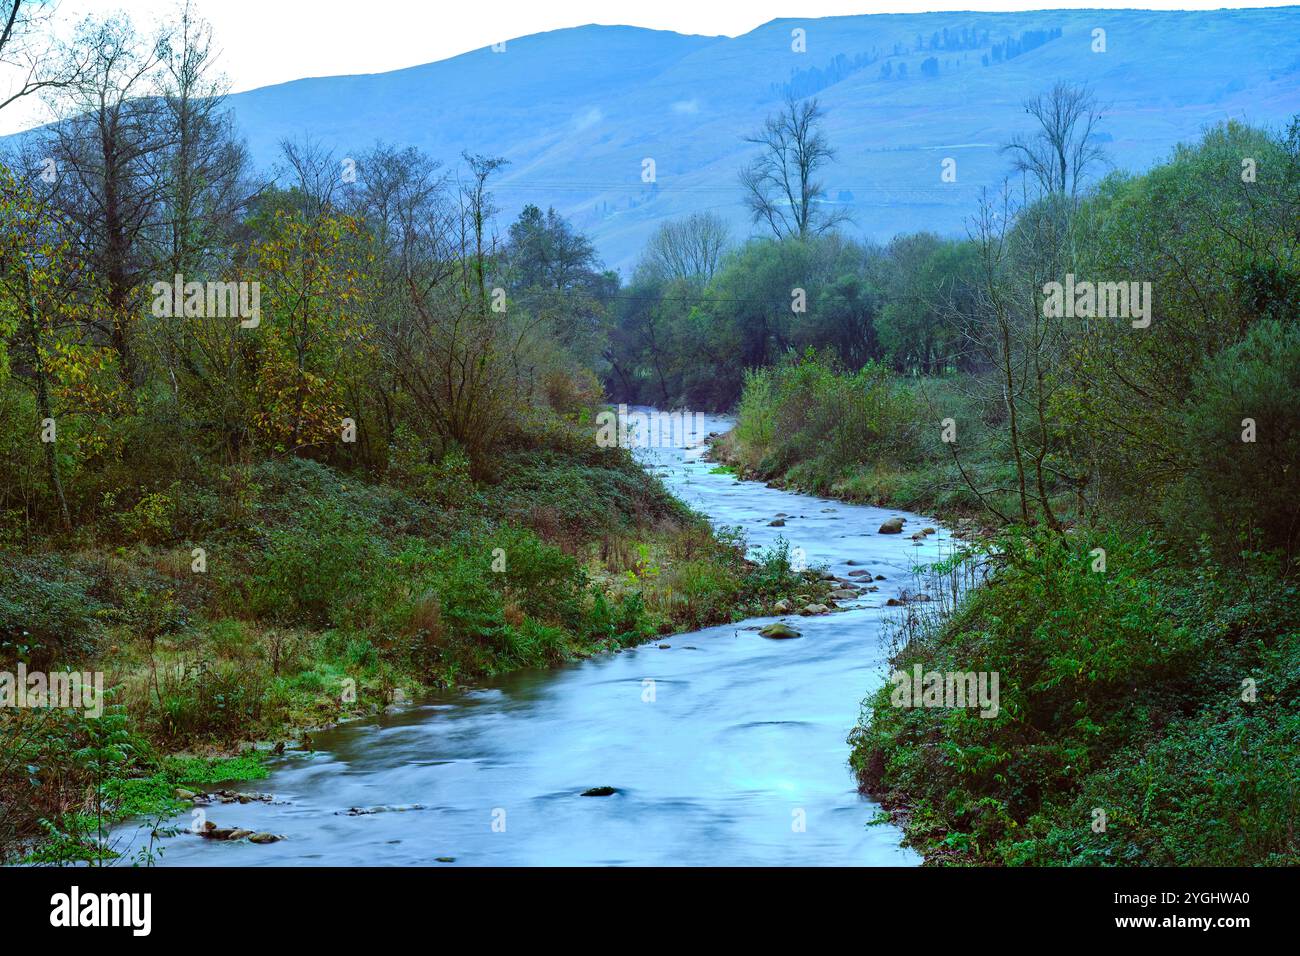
[(271, 41)]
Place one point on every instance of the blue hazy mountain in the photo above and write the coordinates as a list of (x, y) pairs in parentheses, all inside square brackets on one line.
[(577, 111)]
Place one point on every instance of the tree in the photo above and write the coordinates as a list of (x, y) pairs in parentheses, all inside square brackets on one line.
[(36, 283), (1062, 148), (781, 185), (25, 52), (109, 148), (689, 249)]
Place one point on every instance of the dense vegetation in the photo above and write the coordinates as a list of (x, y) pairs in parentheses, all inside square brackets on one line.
[(372, 471), (1134, 490)]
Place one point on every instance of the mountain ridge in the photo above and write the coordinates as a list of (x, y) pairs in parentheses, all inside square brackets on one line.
[(577, 110)]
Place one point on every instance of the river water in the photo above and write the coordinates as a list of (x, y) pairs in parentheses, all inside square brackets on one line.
[(739, 758)]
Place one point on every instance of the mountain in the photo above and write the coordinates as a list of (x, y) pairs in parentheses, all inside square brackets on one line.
[(576, 111)]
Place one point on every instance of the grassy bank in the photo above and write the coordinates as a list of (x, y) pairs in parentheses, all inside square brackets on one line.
[(866, 437), (284, 596)]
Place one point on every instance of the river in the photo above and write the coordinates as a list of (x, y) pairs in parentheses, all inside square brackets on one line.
[(739, 758)]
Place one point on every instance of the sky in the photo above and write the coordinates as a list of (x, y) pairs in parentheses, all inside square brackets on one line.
[(272, 41)]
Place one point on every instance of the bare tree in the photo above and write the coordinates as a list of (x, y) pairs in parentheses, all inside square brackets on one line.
[(207, 184), (689, 249), (1063, 147), (109, 145), (781, 184), (26, 50), (314, 171)]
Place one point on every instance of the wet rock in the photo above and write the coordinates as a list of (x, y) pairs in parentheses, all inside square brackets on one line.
[(781, 607), (231, 796), (892, 526), (860, 573), (776, 523), (213, 832), (844, 594), (779, 631), (366, 811), (664, 647), (444, 859), (265, 838), (242, 834), (879, 577), (893, 602), (600, 792), (180, 793), (808, 610), (918, 536), (927, 531)]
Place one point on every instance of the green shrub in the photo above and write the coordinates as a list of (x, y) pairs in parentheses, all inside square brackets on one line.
[(318, 573), (47, 612), (1244, 491)]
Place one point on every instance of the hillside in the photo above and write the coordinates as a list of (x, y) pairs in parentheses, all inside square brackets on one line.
[(613, 96)]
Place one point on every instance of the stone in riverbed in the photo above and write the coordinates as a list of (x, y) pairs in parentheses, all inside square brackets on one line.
[(781, 607), (860, 573), (808, 610), (892, 526), (600, 792), (844, 594), (779, 631), (777, 523), (265, 838)]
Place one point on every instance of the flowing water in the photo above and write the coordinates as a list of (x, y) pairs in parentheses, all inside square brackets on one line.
[(739, 758)]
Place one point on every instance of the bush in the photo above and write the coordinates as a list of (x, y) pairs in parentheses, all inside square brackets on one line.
[(319, 573), (814, 423), (47, 612), (1239, 491)]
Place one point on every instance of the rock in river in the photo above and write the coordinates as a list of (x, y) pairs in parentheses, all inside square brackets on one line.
[(600, 792), (779, 631), (892, 526)]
